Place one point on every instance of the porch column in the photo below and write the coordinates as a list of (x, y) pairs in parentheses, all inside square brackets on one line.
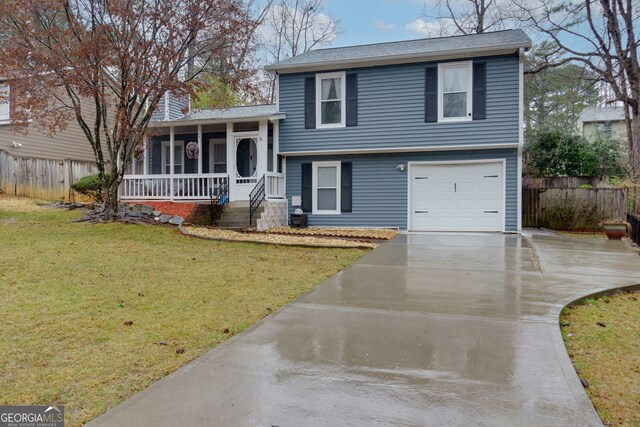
[(263, 147), (133, 166), (171, 160), (200, 149), (145, 159), (276, 144), (231, 161)]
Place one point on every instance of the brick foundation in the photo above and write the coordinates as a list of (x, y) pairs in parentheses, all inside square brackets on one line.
[(197, 213)]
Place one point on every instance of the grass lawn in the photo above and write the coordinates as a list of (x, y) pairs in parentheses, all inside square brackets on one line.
[(69, 291), (608, 356)]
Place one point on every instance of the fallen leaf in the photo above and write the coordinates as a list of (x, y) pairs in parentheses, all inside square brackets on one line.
[(584, 382), (128, 323), (225, 331), (180, 351), (602, 325)]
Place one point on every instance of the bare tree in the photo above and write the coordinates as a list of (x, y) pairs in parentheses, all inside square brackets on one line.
[(292, 27), (120, 55), (603, 37), (452, 17)]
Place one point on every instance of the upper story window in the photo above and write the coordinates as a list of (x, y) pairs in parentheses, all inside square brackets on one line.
[(4, 103), (455, 91), (330, 104), (603, 130)]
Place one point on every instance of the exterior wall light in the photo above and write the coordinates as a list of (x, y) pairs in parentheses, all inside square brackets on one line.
[(401, 167)]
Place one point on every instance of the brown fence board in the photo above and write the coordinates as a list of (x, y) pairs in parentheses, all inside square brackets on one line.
[(572, 208), (41, 178)]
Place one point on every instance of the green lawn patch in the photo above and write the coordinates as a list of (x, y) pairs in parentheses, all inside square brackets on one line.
[(92, 314), (603, 340)]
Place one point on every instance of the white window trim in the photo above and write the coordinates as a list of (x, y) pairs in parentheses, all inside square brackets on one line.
[(314, 180), (6, 118), (441, 68), (165, 160), (343, 95)]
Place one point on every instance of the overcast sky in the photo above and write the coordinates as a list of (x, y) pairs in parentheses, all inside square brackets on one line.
[(374, 21)]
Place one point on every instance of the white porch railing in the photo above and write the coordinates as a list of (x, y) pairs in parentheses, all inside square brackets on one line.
[(274, 185), (170, 187)]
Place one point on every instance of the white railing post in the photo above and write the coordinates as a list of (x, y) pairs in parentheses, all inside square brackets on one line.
[(171, 161)]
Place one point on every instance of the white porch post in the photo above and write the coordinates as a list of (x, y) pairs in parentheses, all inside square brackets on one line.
[(276, 144), (171, 160), (263, 147), (200, 149), (133, 166), (145, 159), (231, 161)]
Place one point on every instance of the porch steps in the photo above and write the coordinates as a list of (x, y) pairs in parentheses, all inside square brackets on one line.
[(238, 217)]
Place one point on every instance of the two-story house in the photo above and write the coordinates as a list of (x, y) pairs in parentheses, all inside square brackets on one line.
[(423, 135)]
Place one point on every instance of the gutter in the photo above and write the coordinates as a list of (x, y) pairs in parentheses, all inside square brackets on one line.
[(180, 122)]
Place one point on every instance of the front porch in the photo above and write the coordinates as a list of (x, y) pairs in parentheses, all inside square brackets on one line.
[(210, 152)]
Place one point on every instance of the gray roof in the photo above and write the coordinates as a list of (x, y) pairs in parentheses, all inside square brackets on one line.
[(224, 114), (403, 51), (610, 114)]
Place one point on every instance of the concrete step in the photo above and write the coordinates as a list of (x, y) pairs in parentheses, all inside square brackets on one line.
[(238, 217)]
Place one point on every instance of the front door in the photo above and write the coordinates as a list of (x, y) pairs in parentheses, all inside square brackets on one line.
[(246, 165)]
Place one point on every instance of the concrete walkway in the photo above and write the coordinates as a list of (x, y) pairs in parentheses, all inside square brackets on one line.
[(429, 329)]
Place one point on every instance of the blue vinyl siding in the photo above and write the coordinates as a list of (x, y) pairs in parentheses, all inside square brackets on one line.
[(380, 189), (391, 111), (176, 107)]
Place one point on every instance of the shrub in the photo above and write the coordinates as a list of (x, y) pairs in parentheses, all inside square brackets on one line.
[(89, 186)]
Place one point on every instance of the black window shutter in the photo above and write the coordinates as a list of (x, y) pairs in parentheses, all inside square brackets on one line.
[(156, 157), (352, 99), (307, 188), (345, 186), (479, 90), (431, 94), (205, 155), (190, 165), (310, 103)]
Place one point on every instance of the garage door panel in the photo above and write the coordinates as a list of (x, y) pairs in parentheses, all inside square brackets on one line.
[(457, 197)]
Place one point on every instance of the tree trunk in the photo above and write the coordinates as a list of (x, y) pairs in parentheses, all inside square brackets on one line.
[(111, 200)]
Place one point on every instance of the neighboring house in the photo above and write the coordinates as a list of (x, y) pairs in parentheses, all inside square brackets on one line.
[(423, 135), (36, 164), (32, 143), (602, 123)]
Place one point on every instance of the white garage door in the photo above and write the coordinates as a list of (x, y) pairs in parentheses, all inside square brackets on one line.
[(456, 197)]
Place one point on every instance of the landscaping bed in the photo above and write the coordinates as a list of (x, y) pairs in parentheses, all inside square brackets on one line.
[(354, 233), (277, 239), (93, 313), (602, 337)]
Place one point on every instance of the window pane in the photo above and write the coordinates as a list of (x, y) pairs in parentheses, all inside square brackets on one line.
[(331, 112), (455, 80), (220, 168), (220, 153), (4, 101), (331, 89), (327, 177), (454, 105), (327, 199)]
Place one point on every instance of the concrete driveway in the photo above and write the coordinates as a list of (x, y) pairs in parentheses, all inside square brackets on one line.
[(429, 329)]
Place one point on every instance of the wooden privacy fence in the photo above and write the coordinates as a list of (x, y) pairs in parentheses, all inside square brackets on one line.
[(41, 178), (572, 208)]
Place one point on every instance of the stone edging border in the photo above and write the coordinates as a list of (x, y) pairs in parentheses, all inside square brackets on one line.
[(184, 232), (561, 350)]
